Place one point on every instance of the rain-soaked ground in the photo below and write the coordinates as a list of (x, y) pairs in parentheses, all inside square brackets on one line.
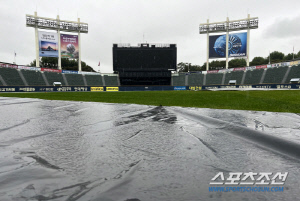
[(63, 150)]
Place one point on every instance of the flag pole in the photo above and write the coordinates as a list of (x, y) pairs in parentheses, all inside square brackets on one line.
[(15, 57)]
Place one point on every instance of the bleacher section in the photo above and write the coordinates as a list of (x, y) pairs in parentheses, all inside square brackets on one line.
[(195, 79), (212, 79), (294, 73), (74, 79), (179, 80), (253, 76), (234, 75), (275, 75), (111, 80), (54, 77), (94, 80), (33, 78), (11, 77)]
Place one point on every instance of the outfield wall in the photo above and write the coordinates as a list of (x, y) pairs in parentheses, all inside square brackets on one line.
[(147, 88)]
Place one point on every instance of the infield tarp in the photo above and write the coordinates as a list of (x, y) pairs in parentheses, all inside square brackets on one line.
[(65, 150)]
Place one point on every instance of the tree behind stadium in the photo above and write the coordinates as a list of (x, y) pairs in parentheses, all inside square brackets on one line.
[(67, 64)]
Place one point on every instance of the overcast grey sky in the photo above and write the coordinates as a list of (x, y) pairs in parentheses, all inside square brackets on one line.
[(161, 21)]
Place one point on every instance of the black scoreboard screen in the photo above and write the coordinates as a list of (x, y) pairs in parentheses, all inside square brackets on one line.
[(145, 57)]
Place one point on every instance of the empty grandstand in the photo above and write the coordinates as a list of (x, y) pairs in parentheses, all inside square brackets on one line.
[(54, 77), (275, 75), (75, 79), (34, 78), (195, 79), (11, 77), (253, 76), (179, 79), (94, 80), (111, 80), (294, 73), (214, 79), (234, 75)]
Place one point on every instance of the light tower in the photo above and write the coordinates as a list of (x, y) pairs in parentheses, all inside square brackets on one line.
[(228, 26)]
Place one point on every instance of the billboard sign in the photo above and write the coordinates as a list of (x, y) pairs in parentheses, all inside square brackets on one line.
[(112, 88), (51, 70), (69, 46), (237, 45), (48, 44), (179, 88)]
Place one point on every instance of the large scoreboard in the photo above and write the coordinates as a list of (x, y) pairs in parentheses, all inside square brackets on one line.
[(145, 57)]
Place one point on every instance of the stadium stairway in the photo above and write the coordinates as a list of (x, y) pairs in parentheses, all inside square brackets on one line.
[(2, 82)]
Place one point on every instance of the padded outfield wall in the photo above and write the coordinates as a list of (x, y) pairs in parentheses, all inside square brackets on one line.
[(146, 88)]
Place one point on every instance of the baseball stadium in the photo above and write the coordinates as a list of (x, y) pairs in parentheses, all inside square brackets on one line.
[(150, 130)]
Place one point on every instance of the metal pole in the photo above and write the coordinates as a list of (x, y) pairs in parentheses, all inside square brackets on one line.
[(59, 45), (248, 41), (79, 48), (227, 39), (207, 60), (37, 56)]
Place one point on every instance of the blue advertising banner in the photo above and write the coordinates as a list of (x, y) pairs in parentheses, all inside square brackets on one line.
[(180, 88), (69, 71), (237, 45)]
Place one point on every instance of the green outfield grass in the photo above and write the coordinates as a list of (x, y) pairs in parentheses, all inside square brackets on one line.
[(276, 101)]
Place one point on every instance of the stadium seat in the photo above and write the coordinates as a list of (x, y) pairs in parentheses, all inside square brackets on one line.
[(11, 76), (179, 80), (253, 76), (111, 80), (234, 75), (54, 77), (214, 79), (74, 79), (275, 75), (195, 79), (294, 73), (94, 80), (33, 78)]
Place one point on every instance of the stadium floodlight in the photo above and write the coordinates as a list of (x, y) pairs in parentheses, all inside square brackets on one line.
[(228, 26), (56, 24)]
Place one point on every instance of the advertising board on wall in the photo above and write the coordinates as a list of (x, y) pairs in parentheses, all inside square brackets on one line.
[(237, 45), (48, 44), (69, 46), (112, 88), (97, 88)]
